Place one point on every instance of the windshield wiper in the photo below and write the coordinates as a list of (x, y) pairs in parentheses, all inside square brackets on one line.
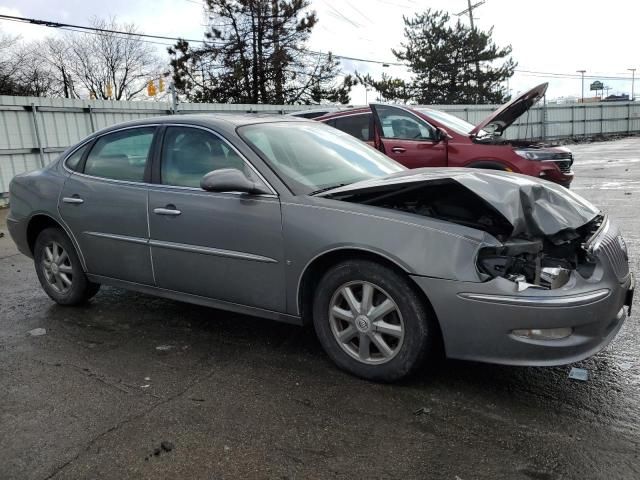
[(326, 189)]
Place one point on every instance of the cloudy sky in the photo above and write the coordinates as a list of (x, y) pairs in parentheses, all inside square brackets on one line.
[(548, 36)]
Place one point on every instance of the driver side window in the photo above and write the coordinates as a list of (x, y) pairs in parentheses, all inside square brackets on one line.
[(401, 125), (188, 154)]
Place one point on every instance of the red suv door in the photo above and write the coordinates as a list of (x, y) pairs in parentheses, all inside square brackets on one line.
[(407, 138)]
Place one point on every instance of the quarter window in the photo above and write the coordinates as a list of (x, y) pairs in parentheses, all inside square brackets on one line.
[(73, 161), (401, 125), (188, 154), (359, 126), (121, 155)]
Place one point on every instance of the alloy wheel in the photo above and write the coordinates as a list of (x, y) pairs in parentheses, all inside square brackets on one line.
[(366, 322), (57, 267)]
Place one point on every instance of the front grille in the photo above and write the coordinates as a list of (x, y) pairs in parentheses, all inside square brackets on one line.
[(564, 165), (609, 243)]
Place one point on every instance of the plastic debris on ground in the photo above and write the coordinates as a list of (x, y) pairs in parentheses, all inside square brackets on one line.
[(36, 332), (579, 374), (422, 411)]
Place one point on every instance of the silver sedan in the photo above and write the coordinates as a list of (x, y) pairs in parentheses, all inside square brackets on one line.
[(292, 220)]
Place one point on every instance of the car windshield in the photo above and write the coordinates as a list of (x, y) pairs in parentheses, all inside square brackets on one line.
[(310, 157), (451, 121)]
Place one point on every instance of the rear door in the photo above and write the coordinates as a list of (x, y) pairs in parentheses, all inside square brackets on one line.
[(407, 138), (104, 203)]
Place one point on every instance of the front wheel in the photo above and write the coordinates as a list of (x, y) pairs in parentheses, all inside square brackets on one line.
[(59, 269), (371, 322)]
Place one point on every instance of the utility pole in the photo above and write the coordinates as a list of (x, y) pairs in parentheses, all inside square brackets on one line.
[(581, 72), (633, 81), (469, 10)]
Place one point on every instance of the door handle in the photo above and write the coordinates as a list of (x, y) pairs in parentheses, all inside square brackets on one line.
[(168, 210), (398, 150), (73, 200)]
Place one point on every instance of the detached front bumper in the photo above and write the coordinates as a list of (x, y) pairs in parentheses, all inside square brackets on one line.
[(478, 319)]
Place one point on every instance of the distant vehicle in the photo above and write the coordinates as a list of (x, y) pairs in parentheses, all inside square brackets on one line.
[(425, 137), (293, 220), (320, 111)]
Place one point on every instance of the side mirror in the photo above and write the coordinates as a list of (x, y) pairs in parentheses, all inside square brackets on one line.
[(230, 180), (443, 135)]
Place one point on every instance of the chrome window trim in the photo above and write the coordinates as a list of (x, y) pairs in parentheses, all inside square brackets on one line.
[(274, 193)]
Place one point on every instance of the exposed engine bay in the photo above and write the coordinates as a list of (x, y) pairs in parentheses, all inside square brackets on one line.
[(544, 262), (527, 257)]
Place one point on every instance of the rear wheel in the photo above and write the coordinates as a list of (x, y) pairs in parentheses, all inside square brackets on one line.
[(371, 322), (59, 269)]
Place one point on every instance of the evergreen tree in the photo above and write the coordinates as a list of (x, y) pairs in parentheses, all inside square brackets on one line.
[(254, 52), (442, 56)]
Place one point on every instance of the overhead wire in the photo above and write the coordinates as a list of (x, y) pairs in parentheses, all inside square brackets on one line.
[(156, 39)]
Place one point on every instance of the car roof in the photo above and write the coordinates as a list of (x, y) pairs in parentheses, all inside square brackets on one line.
[(343, 113), (225, 121)]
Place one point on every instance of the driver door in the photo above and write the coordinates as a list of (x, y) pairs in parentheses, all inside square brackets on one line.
[(224, 246), (407, 138)]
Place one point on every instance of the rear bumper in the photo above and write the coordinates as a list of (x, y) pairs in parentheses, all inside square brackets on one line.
[(477, 320), (18, 232)]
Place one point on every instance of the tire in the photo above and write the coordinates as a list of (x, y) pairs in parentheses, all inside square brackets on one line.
[(66, 282), (406, 349)]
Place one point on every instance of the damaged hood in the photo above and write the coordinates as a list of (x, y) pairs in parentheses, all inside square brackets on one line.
[(504, 116), (533, 207)]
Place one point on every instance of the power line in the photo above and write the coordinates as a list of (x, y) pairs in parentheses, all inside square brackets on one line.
[(52, 24), (141, 36), (85, 29)]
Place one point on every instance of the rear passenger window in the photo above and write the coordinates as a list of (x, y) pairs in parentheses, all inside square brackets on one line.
[(121, 155), (360, 126), (73, 161)]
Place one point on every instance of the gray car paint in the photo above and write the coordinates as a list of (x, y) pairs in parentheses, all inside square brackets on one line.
[(438, 255)]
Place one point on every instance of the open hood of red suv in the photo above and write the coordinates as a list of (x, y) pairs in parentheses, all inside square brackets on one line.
[(499, 120)]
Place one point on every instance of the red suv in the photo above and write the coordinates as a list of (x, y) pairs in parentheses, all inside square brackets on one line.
[(425, 137)]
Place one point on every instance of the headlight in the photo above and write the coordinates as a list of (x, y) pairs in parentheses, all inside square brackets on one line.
[(535, 154)]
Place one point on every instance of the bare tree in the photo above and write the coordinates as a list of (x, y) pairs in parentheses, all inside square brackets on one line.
[(103, 62), (10, 67), (56, 53)]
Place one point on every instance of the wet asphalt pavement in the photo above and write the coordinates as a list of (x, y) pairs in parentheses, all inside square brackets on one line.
[(240, 397)]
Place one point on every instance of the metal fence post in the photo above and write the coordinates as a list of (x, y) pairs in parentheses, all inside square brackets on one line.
[(174, 99), (544, 118), (37, 132), (573, 121), (601, 119), (93, 126)]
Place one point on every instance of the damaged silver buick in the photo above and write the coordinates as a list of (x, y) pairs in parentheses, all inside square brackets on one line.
[(295, 221)]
